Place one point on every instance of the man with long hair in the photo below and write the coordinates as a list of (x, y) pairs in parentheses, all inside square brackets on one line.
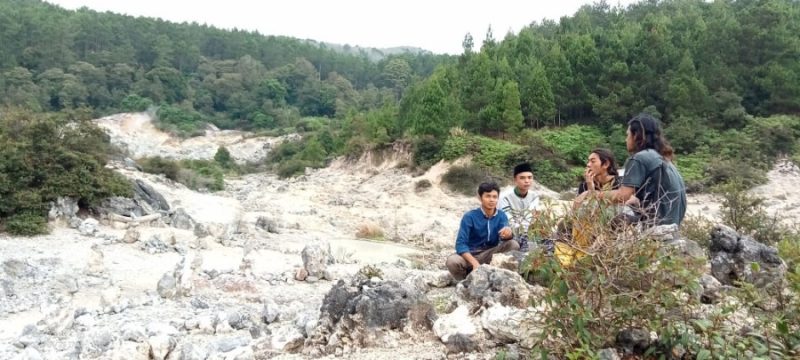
[(650, 175)]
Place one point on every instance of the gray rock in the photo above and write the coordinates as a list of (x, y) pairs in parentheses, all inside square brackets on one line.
[(159, 243), (510, 324), (129, 350), (226, 345), (30, 336), (315, 260), (662, 232), (88, 227), (199, 303), (458, 331), (312, 279), (131, 236), (133, 332), (360, 310), (286, 338), (181, 220), (63, 208), (633, 340), (488, 284), (686, 247), (236, 320), (120, 206), (167, 286), (711, 289), (160, 346), (191, 352), (268, 224), (200, 230), (608, 354), (149, 198), (740, 258), (159, 328), (29, 354), (271, 312)]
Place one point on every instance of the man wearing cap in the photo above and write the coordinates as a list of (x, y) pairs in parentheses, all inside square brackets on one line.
[(519, 204)]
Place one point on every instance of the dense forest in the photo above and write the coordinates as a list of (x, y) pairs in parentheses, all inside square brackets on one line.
[(723, 77)]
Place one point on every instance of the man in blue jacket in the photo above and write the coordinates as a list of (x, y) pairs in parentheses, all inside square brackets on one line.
[(483, 232)]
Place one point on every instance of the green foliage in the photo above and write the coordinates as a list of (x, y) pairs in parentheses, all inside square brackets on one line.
[(465, 179), (426, 150), (135, 103), (195, 174), (697, 228), (158, 165), (223, 158), (574, 142), (184, 123), (291, 168), (746, 213), (44, 157), (26, 224)]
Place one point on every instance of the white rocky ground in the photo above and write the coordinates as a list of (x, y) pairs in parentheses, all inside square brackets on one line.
[(96, 292)]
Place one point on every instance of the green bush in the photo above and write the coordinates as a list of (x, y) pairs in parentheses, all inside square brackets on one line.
[(47, 156), (26, 224), (426, 150), (465, 179), (693, 170), (574, 142), (135, 103), (180, 122), (549, 167), (746, 213), (456, 147), (159, 165), (291, 168), (195, 174)]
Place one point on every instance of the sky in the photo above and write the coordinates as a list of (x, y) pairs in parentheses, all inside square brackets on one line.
[(435, 25)]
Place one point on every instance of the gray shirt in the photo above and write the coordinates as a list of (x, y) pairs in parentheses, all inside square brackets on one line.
[(658, 186), (519, 210)]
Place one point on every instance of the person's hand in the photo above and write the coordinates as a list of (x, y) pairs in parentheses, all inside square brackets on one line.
[(505, 233), (578, 200), (588, 176), (474, 263)]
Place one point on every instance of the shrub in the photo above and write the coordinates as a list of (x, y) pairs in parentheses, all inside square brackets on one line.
[(746, 213), (291, 168), (697, 228), (426, 150), (575, 142), (47, 156), (135, 103), (159, 165), (622, 281), (422, 185), (178, 121), (370, 231), (27, 224), (465, 179), (223, 158)]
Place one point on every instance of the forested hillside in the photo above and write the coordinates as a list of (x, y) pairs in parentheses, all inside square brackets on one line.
[(723, 76)]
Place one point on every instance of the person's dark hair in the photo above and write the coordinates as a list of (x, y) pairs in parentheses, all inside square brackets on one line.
[(521, 168), (606, 156), (647, 134), (488, 187)]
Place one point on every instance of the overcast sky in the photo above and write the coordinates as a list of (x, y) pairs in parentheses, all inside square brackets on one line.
[(435, 25)]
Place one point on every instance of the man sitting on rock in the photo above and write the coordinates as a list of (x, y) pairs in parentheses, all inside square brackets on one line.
[(520, 203), (483, 232)]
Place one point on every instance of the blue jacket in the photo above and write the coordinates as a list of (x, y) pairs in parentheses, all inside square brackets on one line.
[(478, 232)]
